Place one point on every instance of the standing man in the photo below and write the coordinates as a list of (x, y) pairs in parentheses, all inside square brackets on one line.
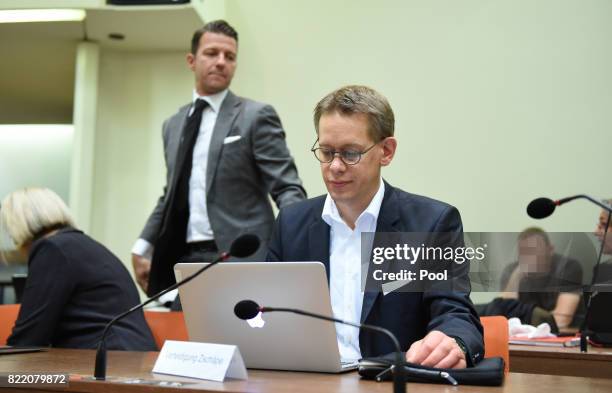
[(355, 127), (224, 155)]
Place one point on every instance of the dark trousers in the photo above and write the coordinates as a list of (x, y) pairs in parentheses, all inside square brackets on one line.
[(205, 251)]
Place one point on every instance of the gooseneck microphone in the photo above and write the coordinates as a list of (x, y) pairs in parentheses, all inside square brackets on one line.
[(248, 309), (543, 207), (241, 247)]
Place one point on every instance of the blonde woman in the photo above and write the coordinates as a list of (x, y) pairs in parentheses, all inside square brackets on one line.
[(75, 285)]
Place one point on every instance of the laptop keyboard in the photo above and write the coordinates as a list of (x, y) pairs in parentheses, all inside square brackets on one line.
[(349, 364)]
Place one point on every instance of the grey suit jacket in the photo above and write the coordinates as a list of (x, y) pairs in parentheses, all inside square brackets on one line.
[(239, 175)]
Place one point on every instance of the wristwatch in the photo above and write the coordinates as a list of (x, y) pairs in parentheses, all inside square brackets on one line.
[(462, 346)]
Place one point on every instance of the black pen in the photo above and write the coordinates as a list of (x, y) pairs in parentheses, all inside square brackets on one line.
[(429, 374), (432, 373)]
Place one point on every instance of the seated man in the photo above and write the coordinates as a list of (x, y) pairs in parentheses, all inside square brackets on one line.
[(355, 126), (547, 284), (599, 324), (604, 271)]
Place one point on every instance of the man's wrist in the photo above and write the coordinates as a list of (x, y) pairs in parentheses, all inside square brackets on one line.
[(465, 350), (143, 248), (461, 346)]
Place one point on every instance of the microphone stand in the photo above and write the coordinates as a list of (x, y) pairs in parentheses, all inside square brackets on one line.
[(561, 201), (399, 381), (100, 366), (589, 294)]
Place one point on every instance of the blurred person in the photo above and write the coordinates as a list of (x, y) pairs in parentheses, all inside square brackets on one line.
[(546, 284), (75, 285), (600, 228), (604, 271)]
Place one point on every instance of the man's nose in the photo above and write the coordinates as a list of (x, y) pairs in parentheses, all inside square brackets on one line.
[(221, 60), (336, 164)]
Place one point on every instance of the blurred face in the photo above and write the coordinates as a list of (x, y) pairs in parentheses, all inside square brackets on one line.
[(534, 254), (214, 63), (599, 231), (352, 186)]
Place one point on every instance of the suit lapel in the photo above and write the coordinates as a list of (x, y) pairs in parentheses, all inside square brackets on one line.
[(180, 137), (318, 240), (175, 139), (227, 113), (388, 219)]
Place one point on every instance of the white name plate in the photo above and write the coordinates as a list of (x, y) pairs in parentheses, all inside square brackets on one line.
[(214, 362)]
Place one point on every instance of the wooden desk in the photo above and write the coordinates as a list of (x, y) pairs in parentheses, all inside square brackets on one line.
[(597, 363), (138, 365)]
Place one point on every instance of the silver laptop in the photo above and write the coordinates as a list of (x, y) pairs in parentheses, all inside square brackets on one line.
[(285, 341)]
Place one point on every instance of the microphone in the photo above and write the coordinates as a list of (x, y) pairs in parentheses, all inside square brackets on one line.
[(543, 207), (241, 247), (247, 309)]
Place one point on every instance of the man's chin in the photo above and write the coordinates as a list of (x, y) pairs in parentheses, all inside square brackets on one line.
[(338, 196), (215, 87)]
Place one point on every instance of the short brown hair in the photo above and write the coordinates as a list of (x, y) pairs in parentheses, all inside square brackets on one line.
[(534, 231), (216, 26), (353, 99)]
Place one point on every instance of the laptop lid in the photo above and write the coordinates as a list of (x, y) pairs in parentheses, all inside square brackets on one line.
[(286, 341)]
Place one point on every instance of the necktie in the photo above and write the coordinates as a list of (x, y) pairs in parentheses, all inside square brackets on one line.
[(184, 161), (170, 245)]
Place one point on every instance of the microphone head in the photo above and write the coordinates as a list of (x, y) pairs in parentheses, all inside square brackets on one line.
[(541, 208), (246, 309), (244, 245)]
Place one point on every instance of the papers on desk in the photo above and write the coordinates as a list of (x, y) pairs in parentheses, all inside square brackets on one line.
[(537, 335), (547, 342), (519, 330)]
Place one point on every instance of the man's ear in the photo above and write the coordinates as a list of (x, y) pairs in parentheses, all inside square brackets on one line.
[(389, 145), (190, 60)]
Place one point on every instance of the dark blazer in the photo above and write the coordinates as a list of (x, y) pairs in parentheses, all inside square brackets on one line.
[(302, 235), (241, 172), (75, 286)]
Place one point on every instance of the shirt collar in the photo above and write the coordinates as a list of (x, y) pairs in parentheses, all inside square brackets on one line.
[(214, 100), (330, 210)]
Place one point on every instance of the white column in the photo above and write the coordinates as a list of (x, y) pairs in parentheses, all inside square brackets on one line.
[(84, 118)]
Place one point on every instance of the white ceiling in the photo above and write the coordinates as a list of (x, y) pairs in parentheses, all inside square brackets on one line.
[(38, 59), (144, 28)]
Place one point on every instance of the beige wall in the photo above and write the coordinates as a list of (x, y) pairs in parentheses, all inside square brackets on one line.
[(137, 91), (497, 102), (37, 64)]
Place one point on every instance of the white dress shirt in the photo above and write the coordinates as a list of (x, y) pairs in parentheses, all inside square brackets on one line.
[(345, 269), (198, 226)]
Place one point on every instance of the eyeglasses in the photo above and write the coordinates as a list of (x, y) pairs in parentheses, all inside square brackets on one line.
[(349, 157)]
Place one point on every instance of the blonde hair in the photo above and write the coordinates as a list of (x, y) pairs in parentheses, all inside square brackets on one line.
[(31, 212)]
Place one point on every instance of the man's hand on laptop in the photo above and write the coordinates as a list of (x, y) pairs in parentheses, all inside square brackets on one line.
[(438, 350)]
